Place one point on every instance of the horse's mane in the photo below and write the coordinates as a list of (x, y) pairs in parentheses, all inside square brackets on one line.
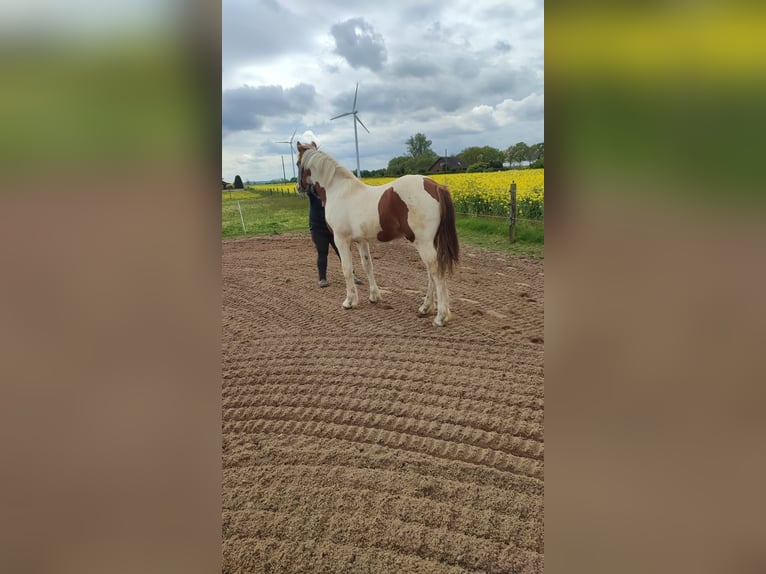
[(327, 166)]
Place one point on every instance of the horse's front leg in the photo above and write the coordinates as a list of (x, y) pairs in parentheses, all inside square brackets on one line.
[(344, 249), (364, 253)]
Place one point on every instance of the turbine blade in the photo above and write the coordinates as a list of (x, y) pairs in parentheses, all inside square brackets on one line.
[(360, 121), (292, 136), (355, 93), (342, 115)]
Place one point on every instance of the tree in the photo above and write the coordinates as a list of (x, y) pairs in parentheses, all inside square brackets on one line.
[(418, 145), (518, 153), (537, 151), (478, 166), (421, 163), (398, 166), (373, 173), (471, 155), (488, 155), (238, 183)]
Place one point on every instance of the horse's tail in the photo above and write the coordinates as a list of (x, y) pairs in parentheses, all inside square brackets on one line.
[(447, 247)]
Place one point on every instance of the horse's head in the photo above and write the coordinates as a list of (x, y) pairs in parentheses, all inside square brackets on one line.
[(304, 175)]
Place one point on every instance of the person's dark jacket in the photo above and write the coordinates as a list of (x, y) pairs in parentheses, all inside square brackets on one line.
[(316, 212)]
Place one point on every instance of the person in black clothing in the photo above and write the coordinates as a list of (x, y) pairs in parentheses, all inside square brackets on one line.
[(322, 237)]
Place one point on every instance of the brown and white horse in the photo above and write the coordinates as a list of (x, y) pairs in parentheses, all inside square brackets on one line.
[(413, 206)]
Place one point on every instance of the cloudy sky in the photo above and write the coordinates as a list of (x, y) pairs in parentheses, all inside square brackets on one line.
[(463, 72)]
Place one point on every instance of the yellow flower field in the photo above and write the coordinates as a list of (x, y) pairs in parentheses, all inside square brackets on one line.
[(489, 193), (235, 194), (475, 193)]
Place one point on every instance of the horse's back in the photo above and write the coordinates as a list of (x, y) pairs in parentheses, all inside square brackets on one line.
[(418, 192), (405, 207)]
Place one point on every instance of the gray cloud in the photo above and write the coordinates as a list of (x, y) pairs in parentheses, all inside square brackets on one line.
[(502, 46), (422, 67), (466, 67), (359, 43), (245, 108), (414, 11), (407, 96), (255, 30), (506, 11), (500, 84)]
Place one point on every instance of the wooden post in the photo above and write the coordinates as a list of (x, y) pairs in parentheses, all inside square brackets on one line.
[(512, 212), (241, 218)]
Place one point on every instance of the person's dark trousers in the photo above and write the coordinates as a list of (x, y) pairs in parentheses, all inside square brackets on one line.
[(322, 239)]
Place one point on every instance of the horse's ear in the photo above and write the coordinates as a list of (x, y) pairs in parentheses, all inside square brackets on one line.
[(314, 144)]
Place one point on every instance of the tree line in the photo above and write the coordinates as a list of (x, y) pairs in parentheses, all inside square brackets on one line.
[(420, 158)]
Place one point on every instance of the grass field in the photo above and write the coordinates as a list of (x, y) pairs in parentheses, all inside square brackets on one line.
[(272, 214)]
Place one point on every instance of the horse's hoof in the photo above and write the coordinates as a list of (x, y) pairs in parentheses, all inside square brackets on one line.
[(346, 305), (439, 322), (423, 311)]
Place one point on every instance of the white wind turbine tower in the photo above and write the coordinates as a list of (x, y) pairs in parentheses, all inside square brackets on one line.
[(290, 141), (353, 112)]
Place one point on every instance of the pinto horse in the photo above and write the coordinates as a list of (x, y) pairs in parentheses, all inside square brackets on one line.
[(413, 206)]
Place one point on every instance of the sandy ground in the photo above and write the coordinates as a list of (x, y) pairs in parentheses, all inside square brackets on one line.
[(369, 440)]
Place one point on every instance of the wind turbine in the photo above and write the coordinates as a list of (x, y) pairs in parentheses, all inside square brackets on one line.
[(290, 141), (353, 112)]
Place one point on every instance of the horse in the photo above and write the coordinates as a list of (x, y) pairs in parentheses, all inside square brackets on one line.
[(413, 206)]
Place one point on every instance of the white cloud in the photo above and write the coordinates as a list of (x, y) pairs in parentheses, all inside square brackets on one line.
[(531, 108)]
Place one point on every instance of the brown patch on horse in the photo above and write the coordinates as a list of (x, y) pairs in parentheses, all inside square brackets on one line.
[(392, 212), (431, 187), (304, 147), (301, 149), (303, 174), (320, 191)]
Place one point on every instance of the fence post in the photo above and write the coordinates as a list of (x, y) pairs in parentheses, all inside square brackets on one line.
[(240, 217), (512, 212)]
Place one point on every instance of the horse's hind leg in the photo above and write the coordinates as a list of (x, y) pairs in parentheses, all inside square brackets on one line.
[(437, 286), (344, 249), (364, 253), (428, 255), (442, 297), (428, 302)]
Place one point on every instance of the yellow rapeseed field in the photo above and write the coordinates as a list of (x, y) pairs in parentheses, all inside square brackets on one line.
[(488, 193), (476, 193), (239, 193)]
